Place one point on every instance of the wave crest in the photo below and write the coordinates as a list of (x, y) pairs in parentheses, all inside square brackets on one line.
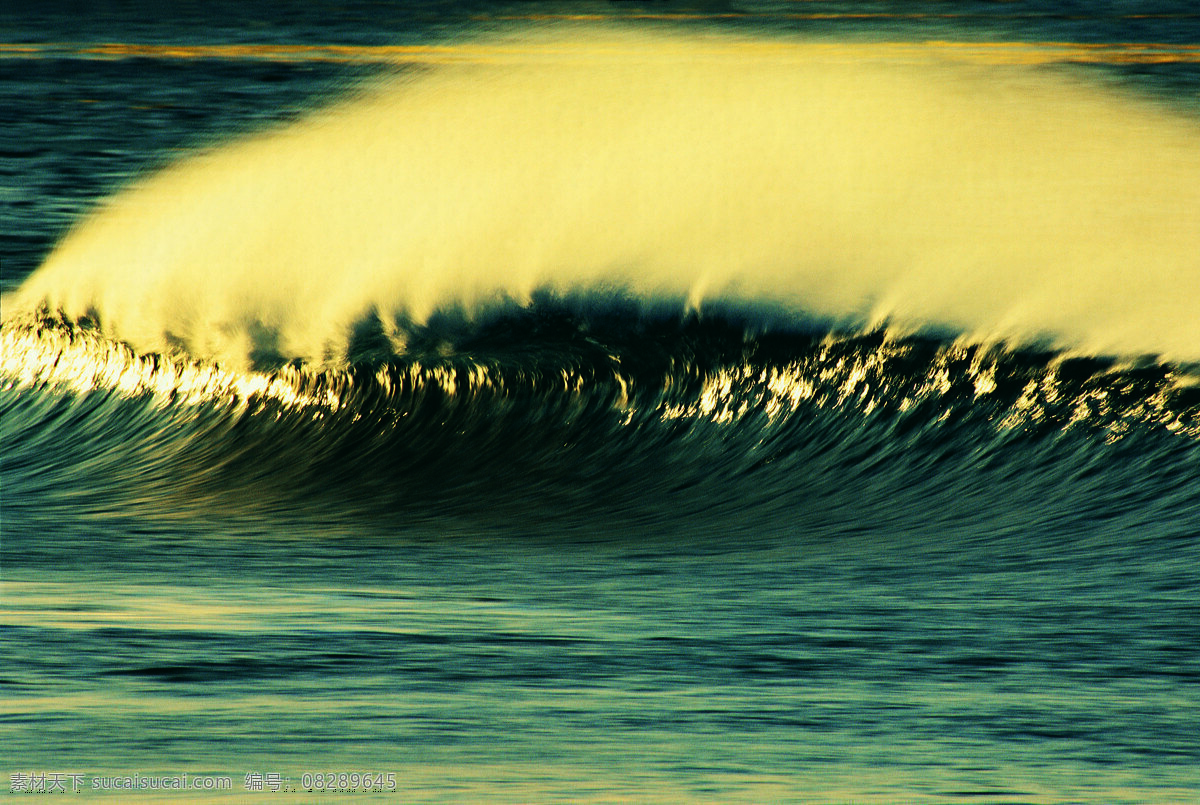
[(1005, 203)]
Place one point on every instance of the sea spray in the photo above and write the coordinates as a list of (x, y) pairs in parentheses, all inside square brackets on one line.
[(1003, 203)]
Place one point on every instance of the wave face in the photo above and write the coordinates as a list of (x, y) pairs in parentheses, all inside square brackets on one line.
[(1012, 204), (590, 416)]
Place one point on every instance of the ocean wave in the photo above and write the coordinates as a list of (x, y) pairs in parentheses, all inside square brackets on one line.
[(632, 277)]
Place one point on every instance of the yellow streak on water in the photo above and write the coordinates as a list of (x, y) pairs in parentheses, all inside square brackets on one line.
[(1016, 52)]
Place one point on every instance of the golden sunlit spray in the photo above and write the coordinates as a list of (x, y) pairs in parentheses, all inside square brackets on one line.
[(1004, 201)]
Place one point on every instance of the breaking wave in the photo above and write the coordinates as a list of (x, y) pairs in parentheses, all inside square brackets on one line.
[(643, 281)]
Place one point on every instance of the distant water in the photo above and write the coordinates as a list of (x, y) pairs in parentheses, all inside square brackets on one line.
[(747, 404)]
